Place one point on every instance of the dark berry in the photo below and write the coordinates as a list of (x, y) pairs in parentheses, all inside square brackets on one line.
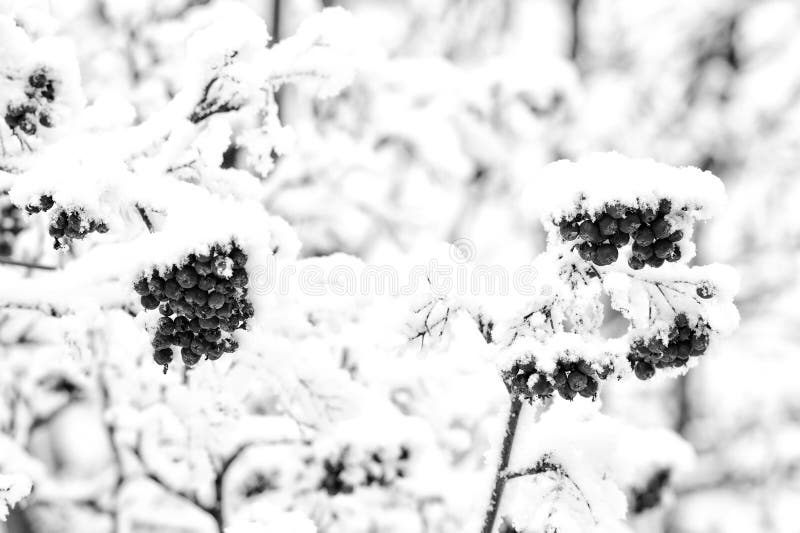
[(607, 225), (181, 323), (541, 386), (239, 278), (27, 127), (644, 371), (641, 252), (684, 349), (619, 239), (616, 210), (205, 312), (49, 91), (630, 223), (165, 309), (230, 345), (186, 278), (700, 343), (644, 236), (648, 215), (212, 335), (675, 236), (189, 357), (149, 301), (37, 80), (585, 368), (61, 220), (156, 284), (577, 381), (46, 202), (590, 390), (587, 251), (661, 228), (606, 254), (654, 261), (221, 265), (635, 263), (214, 352), (662, 249), (567, 393), (209, 323), (204, 269), (198, 345), (239, 257), (163, 356), (675, 254), (560, 378), (161, 341), (184, 338), (206, 283), (46, 120), (199, 296), (590, 232), (664, 206), (568, 230), (216, 300), (165, 325), (705, 291), (172, 290)]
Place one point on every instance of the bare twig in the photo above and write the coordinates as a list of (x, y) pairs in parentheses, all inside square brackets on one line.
[(505, 455), (12, 262), (145, 218)]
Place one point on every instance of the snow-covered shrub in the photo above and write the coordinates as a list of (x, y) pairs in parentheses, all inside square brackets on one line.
[(326, 414)]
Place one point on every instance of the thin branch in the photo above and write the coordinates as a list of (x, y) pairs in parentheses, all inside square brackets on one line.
[(505, 455), (156, 478), (145, 218), (12, 262)]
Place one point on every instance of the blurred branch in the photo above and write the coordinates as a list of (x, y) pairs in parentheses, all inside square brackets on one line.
[(277, 17), (575, 44), (11, 262)]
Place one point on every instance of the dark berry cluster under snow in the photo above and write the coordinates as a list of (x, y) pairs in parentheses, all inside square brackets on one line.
[(66, 224), (11, 224), (650, 495), (602, 234), (343, 474), (203, 300), (684, 342), (569, 379), (24, 116)]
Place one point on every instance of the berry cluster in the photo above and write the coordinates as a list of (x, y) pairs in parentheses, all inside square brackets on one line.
[(24, 116), (683, 342), (342, 474), (11, 224), (66, 224), (602, 234), (203, 300), (649, 496), (569, 379)]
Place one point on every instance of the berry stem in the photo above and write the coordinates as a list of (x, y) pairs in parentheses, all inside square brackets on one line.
[(505, 455)]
